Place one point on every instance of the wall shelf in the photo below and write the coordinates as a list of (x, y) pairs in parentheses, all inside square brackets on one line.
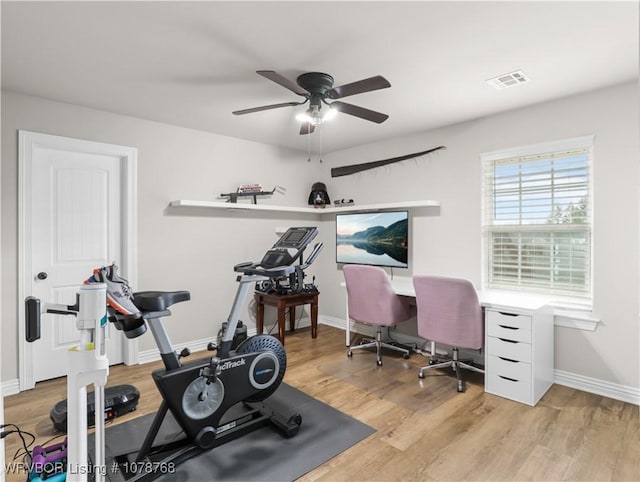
[(307, 210)]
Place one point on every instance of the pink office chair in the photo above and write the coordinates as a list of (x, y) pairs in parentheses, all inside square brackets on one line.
[(372, 301), (449, 313)]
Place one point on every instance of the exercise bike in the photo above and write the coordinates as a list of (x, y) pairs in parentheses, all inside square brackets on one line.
[(200, 393)]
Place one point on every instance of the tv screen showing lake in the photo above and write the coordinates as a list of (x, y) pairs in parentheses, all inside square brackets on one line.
[(373, 238)]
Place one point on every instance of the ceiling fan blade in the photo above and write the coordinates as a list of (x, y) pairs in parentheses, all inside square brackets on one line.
[(265, 107), (359, 87), (370, 115), (283, 81), (306, 128)]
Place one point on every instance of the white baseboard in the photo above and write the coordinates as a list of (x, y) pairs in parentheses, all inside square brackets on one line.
[(598, 387), (331, 321), (10, 387)]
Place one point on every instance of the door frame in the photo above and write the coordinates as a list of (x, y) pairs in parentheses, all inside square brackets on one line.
[(27, 142)]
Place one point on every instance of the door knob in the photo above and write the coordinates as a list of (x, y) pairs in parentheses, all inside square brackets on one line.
[(42, 275)]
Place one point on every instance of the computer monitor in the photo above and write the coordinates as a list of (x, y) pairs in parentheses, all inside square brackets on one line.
[(374, 238)]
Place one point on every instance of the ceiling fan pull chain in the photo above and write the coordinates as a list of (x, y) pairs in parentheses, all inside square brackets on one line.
[(309, 148), (321, 138)]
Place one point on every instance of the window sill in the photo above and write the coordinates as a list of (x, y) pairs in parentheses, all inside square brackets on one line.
[(574, 315)]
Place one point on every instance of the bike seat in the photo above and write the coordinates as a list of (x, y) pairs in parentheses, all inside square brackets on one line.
[(159, 300)]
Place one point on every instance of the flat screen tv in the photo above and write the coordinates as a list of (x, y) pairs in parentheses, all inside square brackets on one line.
[(377, 238)]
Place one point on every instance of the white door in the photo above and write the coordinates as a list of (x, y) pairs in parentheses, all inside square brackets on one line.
[(74, 216)]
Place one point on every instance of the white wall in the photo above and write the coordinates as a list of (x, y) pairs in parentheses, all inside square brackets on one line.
[(196, 251), (177, 249), (451, 242)]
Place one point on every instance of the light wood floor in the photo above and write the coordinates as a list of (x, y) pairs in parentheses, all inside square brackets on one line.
[(426, 431)]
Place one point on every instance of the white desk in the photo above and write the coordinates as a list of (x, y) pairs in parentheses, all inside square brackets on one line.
[(489, 299), (518, 341)]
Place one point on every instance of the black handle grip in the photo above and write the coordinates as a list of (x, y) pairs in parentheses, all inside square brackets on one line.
[(32, 318)]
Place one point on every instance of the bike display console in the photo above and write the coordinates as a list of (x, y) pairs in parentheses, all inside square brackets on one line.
[(277, 264), (288, 248)]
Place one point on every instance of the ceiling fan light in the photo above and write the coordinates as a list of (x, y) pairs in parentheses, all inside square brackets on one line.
[(303, 116), (329, 114), (312, 116), (316, 118)]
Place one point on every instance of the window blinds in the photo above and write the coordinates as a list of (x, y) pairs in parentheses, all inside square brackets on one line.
[(537, 220)]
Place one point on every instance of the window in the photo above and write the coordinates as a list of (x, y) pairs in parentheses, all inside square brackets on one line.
[(537, 218)]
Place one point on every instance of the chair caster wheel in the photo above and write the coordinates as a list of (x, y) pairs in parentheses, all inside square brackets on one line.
[(420, 375), (379, 363), (460, 387), (349, 353), (405, 356), (432, 361)]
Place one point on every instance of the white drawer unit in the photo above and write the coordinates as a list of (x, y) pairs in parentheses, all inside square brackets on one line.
[(509, 327), (518, 354), (509, 349)]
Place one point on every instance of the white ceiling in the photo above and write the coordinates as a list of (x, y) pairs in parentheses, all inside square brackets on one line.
[(193, 63)]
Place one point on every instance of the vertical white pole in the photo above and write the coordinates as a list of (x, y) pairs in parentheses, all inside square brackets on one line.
[(76, 421), (99, 450), (88, 364)]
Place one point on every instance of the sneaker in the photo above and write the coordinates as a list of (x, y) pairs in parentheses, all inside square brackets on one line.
[(119, 294)]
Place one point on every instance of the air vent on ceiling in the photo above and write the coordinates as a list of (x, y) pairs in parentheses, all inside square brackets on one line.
[(508, 80)]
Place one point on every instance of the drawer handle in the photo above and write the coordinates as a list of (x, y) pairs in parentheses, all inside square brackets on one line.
[(508, 314), (508, 359), (510, 379), (508, 341), (509, 327)]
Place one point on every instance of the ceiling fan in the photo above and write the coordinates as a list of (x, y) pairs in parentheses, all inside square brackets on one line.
[(317, 88)]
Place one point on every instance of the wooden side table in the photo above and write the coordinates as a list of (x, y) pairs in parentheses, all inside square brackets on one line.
[(282, 303)]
